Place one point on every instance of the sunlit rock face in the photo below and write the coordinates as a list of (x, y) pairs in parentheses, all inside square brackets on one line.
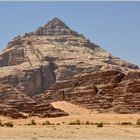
[(105, 91), (39, 61)]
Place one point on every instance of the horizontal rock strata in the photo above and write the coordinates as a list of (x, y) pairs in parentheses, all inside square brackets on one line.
[(56, 63)]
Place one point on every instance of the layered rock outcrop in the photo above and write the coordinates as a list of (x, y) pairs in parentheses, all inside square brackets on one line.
[(105, 91), (15, 104), (61, 62)]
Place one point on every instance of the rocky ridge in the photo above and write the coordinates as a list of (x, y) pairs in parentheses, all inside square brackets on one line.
[(53, 57)]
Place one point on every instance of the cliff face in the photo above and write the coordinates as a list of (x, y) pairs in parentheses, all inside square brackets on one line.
[(106, 91), (53, 57), (15, 104)]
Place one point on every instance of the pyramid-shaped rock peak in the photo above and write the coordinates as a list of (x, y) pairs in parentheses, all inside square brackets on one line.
[(55, 27), (56, 23), (55, 63)]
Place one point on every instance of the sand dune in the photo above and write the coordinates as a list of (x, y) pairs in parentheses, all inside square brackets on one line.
[(71, 108)]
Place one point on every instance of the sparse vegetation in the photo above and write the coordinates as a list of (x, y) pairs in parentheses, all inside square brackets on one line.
[(47, 123), (126, 123), (72, 123), (92, 123), (33, 122), (77, 122), (100, 124), (87, 123), (8, 124), (138, 122)]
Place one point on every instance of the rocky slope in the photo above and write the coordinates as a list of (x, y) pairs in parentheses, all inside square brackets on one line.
[(15, 104), (55, 59), (104, 91)]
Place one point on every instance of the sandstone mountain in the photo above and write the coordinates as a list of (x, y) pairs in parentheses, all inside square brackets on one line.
[(56, 63)]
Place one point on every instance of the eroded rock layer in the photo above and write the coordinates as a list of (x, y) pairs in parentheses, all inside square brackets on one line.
[(15, 104), (105, 91)]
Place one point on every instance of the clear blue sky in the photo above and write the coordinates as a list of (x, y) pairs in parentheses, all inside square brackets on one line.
[(115, 26)]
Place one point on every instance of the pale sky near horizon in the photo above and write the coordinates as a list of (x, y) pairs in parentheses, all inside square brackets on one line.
[(115, 26)]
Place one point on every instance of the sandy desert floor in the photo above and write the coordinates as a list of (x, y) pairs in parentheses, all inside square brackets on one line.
[(111, 130)]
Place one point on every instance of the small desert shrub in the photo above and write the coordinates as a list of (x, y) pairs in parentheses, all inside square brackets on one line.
[(87, 123), (77, 122), (138, 122), (92, 123), (126, 123), (8, 124), (32, 122), (72, 123), (100, 124), (47, 123), (58, 124)]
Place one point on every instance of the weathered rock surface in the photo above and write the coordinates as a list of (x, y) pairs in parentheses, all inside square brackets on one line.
[(15, 104), (61, 62), (34, 62), (105, 91)]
